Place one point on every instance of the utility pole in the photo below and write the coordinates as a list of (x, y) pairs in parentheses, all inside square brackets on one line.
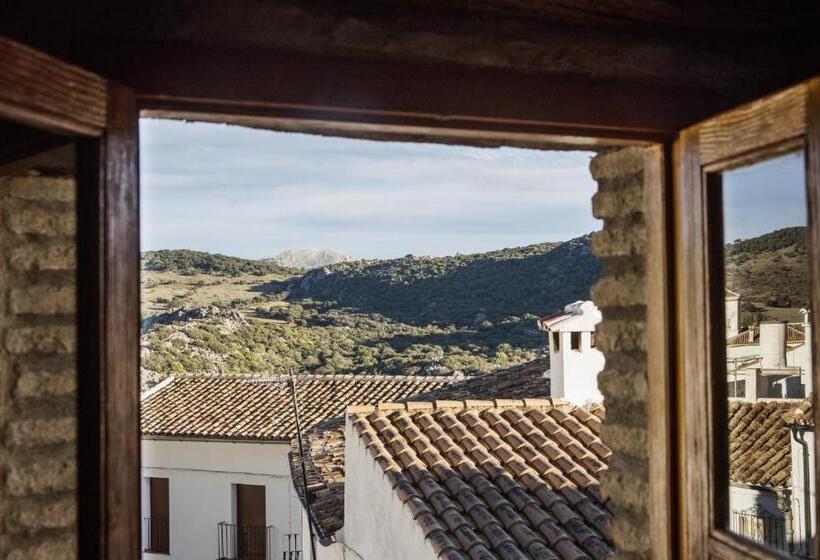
[(302, 463)]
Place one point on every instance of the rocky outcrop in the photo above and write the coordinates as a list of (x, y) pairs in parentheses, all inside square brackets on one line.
[(191, 313)]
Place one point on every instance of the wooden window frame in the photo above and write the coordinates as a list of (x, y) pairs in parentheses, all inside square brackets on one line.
[(775, 125), (384, 124), (508, 111)]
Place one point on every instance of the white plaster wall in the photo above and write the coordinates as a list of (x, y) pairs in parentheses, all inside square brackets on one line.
[(742, 351), (742, 498), (201, 478), (335, 551), (799, 487), (800, 356), (732, 316), (377, 525)]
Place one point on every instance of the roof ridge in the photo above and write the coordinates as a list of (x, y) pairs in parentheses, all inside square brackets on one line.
[(466, 404), (148, 393), (320, 376)]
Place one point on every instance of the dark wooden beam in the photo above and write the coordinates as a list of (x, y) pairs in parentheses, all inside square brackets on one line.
[(41, 91), (189, 78), (109, 331)]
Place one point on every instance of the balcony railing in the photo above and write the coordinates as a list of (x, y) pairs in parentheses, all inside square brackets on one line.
[(155, 537), (292, 547), (761, 526), (244, 542)]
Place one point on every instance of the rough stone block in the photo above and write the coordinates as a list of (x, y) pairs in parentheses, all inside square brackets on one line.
[(625, 161), (30, 517), (621, 199), (39, 432), (32, 217), (630, 532), (624, 290), (47, 340), (624, 240), (48, 255), (40, 187), (622, 385), (615, 335), (42, 477), (628, 440), (43, 300), (64, 548), (44, 380), (627, 489)]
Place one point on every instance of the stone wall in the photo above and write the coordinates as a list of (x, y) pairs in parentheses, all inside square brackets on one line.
[(37, 367), (621, 295)]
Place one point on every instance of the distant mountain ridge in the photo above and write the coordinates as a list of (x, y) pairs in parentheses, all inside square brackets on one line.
[(189, 262), (308, 258)]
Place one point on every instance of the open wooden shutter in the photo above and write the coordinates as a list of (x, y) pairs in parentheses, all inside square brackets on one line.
[(787, 122), (63, 101)]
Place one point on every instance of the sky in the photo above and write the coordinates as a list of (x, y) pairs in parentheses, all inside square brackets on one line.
[(254, 193), (764, 197)]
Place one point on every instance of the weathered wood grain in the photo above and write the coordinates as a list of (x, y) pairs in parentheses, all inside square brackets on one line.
[(691, 376), (770, 120), (813, 184), (44, 92), (121, 306), (108, 290), (659, 335)]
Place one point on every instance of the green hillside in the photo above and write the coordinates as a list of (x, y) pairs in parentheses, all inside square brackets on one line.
[(412, 316), (771, 269), (461, 290), (186, 261)]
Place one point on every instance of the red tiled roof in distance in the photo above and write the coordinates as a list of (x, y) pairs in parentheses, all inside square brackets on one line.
[(259, 407)]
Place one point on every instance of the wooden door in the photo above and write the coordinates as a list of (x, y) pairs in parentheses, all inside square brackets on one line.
[(159, 525), (46, 102), (734, 173), (251, 521)]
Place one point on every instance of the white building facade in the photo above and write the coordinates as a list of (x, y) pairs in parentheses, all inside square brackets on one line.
[(770, 360), (216, 468), (205, 485)]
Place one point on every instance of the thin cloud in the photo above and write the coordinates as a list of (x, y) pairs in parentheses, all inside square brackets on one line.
[(253, 193)]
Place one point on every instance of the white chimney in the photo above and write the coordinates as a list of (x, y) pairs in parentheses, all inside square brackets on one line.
[(808, 377), (773, 344), (732, 313), (574, 361)]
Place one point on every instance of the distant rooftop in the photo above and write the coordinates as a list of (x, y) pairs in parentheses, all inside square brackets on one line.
[(259, 407)]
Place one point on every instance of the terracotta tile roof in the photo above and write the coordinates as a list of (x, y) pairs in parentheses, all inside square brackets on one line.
[(800, 414), (795, 334), (259, 407), (759, 442), (504, 479), (324, 444)]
